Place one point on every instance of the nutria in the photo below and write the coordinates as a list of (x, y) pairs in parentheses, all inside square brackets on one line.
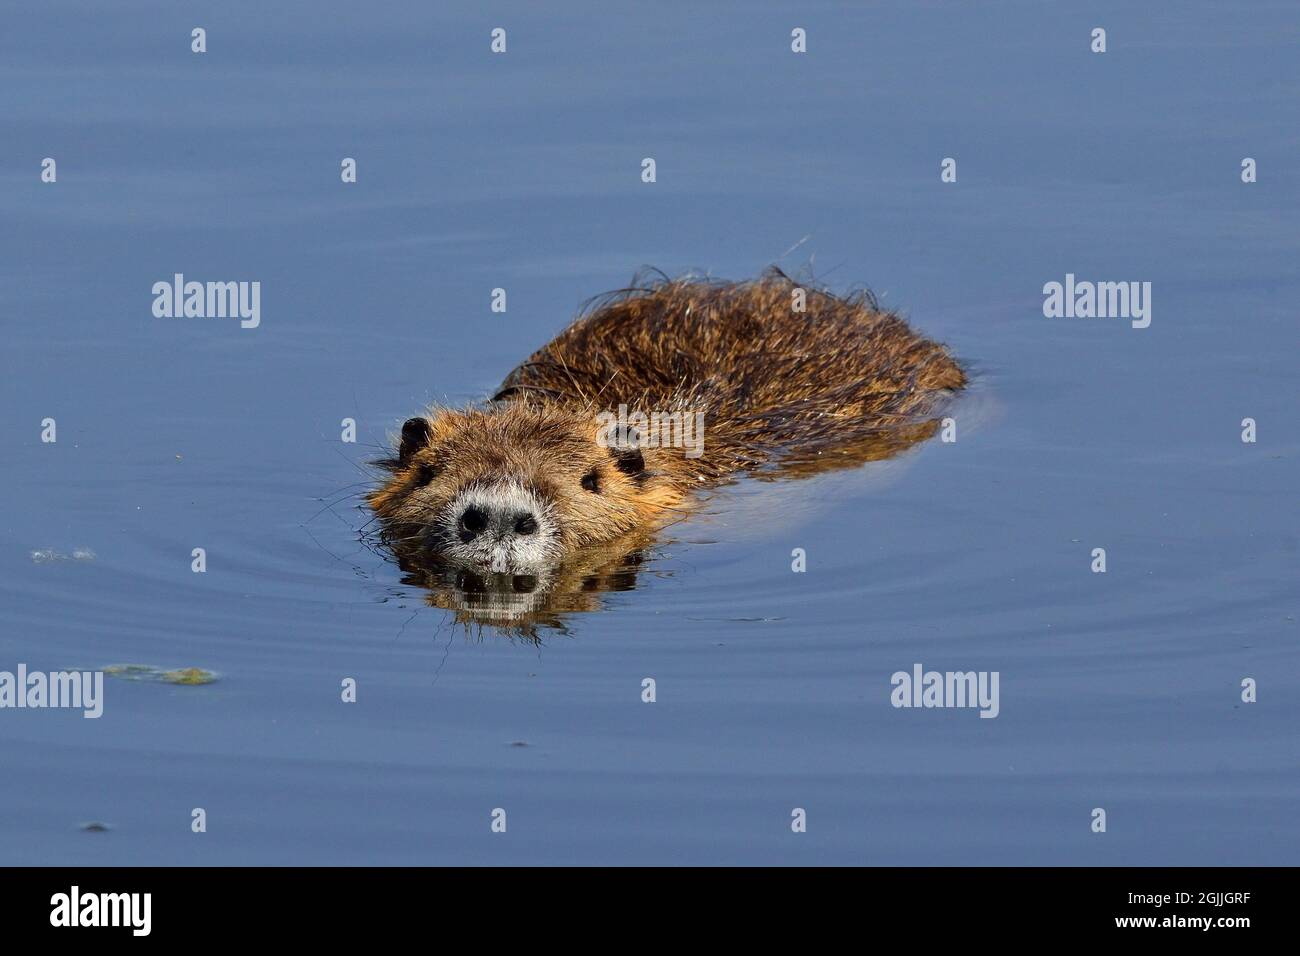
[(788, 380)]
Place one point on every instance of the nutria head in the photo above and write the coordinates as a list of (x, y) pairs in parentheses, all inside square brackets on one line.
[(515, 486)]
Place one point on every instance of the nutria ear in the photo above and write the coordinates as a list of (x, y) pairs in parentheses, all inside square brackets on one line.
[(415, 435)]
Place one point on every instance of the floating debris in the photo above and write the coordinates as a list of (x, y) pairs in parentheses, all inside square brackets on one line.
[(94, 826), (190, 676), (131, 671), (45, 555), (187, 676)]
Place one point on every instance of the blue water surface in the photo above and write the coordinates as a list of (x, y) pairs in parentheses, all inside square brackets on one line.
[(522, 171)]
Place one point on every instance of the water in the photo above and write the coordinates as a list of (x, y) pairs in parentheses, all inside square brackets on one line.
[(1118, 690)]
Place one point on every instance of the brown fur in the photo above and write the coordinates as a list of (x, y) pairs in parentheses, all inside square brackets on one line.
[(783, 393)]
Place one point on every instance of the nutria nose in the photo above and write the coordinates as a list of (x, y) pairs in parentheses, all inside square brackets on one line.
[(474, 520)]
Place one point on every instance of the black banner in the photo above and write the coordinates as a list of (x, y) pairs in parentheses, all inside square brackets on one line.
[(335, 905)]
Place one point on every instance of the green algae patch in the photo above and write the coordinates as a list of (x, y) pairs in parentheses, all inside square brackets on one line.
[(185, 676), (130, 671), (189, 676)]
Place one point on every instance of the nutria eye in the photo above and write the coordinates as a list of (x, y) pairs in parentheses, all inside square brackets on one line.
[(630, 461), (591, 481), (425, 474)]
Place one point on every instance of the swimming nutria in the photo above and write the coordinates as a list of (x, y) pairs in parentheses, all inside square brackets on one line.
[(537, 472)]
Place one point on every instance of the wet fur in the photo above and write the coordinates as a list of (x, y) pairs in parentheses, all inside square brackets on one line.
[(784, 393)]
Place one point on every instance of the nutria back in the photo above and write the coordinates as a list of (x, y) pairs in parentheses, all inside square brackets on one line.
[(783, 372)]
